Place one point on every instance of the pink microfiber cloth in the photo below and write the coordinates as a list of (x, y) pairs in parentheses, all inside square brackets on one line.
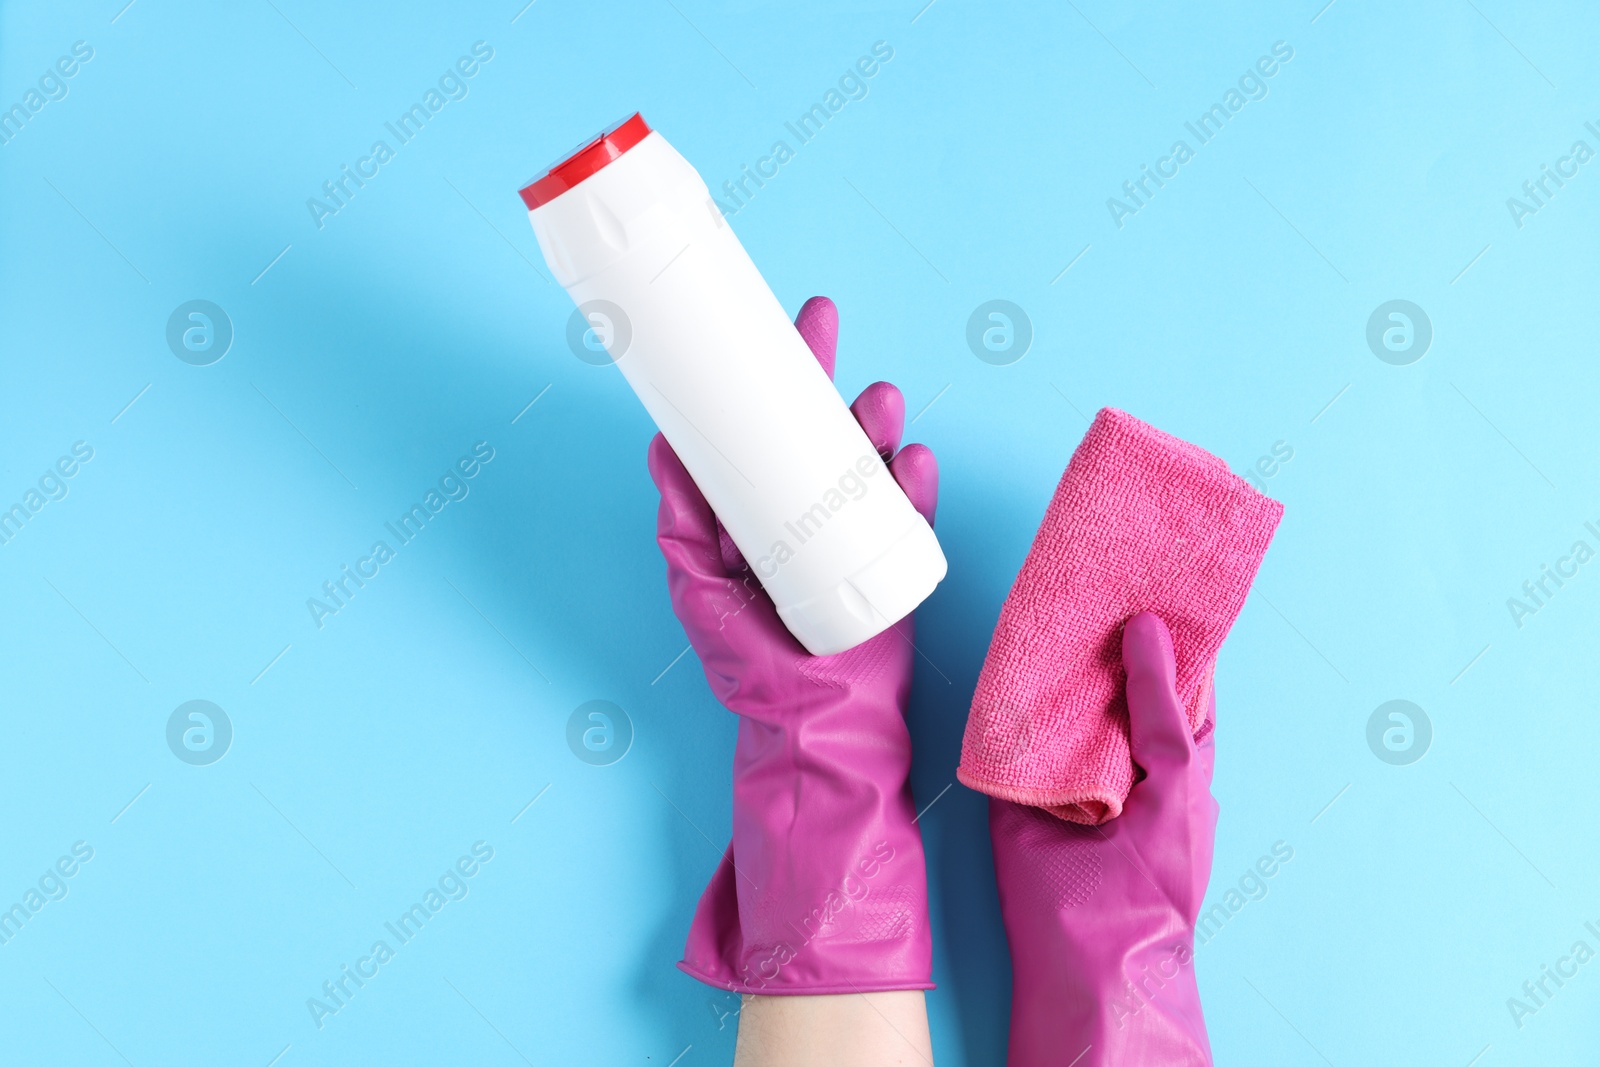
[(1140, 521)]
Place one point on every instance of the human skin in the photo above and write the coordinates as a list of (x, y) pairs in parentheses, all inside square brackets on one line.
[(851, 1030)]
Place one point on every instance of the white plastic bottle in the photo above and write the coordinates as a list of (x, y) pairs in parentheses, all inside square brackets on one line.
[(629, 228)]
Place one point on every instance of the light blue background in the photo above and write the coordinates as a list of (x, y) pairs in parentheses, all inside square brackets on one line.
[(1231, 310)]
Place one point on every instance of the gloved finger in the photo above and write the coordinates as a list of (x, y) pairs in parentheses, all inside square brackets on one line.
[(686, 529), (917, 471), (1158, 726), (881, 411), (818, 323)]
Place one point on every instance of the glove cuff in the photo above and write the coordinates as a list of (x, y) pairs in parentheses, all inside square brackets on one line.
[(869, 933)]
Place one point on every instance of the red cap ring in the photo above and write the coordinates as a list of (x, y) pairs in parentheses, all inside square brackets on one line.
[(586, 161)]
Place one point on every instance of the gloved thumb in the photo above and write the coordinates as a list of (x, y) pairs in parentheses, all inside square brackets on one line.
[(1158, 726), (686, 529)]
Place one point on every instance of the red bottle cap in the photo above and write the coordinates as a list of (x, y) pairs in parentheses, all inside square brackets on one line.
[(586, 161)]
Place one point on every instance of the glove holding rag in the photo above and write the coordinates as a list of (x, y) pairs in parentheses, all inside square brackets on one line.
[(823, 888), (1141, 521), (1101, 919)]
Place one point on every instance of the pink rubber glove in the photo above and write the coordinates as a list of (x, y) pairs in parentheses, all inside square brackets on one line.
[(823, 889), (1101, 919)]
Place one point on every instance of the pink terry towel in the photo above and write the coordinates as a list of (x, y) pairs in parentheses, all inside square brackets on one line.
[(1140, 521)]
